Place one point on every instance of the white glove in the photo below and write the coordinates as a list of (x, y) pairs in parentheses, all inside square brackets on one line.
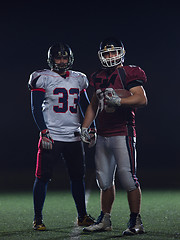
[(111, 98), (85, 137), (89, 136), (93, 135), (46, 140), (100, 96)]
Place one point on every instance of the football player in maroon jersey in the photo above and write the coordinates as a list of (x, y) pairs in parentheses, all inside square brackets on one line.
[(118, 93)]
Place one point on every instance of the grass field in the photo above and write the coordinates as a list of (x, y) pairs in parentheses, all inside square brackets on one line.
[(160, 215)]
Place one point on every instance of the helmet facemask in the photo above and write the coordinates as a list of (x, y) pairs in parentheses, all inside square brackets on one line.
[(116, 59), (61, 66)]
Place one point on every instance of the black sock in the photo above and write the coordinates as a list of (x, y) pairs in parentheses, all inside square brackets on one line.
[(39, 194), (133, 215)]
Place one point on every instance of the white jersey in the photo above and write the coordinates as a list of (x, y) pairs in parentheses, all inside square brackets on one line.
[(60, 109)]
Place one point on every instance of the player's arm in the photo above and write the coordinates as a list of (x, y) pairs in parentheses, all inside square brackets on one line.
[(91, 112), (87, 135), (136, 78), (83, 105), (37, 98), (137, 99)]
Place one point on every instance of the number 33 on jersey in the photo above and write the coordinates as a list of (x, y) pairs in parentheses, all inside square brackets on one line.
[(60, 106)]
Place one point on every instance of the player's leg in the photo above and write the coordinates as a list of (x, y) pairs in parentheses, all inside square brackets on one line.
[(134, 200), (44, 167), (73, 153), (107, 198), (125, 155), (105, 170), (39, 194), (135, 225)]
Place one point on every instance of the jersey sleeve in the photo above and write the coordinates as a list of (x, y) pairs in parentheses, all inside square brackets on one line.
[(37, 86), (84, 83), (135, 76), (37, 82)]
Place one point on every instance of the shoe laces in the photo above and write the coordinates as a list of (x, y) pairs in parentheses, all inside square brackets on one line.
[(91, 217), (86, 217)]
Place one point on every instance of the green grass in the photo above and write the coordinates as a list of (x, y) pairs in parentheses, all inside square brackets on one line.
[(160, 214)]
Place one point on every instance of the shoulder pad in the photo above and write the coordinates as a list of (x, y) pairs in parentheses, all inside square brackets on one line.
[(134, 73), (78, 74), (35, 76)]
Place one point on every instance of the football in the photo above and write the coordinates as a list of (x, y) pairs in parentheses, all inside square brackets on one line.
[(123, 93)]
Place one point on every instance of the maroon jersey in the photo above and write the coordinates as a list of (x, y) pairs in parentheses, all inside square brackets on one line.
[(122, 120)]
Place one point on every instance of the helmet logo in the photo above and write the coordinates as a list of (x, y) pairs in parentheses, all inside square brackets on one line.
[(62, 53), (109, 47)]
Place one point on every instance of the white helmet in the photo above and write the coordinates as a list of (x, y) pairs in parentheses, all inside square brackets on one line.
[(111, 45)]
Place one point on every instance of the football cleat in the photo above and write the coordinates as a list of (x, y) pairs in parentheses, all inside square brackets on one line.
[(86, 221), (39, 225), (103, 224), (135, 225)]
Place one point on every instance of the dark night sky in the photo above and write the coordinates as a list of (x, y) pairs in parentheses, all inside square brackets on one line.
[(150, 33)]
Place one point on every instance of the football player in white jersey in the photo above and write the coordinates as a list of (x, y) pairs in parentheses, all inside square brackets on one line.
[(55, 104)]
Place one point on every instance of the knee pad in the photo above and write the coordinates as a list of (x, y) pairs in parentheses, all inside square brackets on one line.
[(128, 180), (103, 182)]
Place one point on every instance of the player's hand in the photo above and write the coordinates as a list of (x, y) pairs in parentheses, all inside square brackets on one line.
[(93, 135), (89, 136), (46, 140), (111, 98), (100, 96), (85, 136)]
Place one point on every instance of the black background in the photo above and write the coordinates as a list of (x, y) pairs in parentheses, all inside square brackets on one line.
[(150, 33)]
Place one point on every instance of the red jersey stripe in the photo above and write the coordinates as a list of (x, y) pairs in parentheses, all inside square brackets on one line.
[(38, 89)]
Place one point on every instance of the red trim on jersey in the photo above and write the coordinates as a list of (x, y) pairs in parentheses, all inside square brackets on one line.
[(38, 89), (67, 74), (83, 90)]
